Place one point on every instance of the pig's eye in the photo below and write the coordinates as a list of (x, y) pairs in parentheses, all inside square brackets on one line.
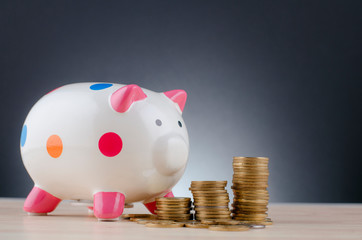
[(158, 122), (179, 123)]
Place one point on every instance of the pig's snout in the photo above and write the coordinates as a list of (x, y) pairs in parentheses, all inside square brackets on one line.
[(171, 154)]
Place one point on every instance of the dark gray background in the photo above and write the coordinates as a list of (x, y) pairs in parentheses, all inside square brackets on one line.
[(265, 78)]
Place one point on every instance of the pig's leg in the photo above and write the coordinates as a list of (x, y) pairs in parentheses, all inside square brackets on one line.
[(108, 205), (40, 202), (151, 206)]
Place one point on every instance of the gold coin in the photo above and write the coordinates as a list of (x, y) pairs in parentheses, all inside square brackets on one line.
[(254, 215), (249, 187), (251, 176), (250, 193), (253, 201), (215, 203), (192, 189), (224, 216), (184, 205), (164, 225), (227, 222), (260, 191), (188, 221), (209, 182), (251, 198), (214, 198), (224, 194), (212, 217), (196, 225), (229, 227), (198, 200), (144, 221), (180, 219), (251, 158), (250, 167), (250, 211), (173, 199), (249, 219), (135, 219), (172, 212), (240, 183), (265, 222), (173, 206), (210, 208), (223, 191), (207, 187), (246, 166), (215, 212), (174, 203), (250, 164), (249, 179), (211, 196), (209, 221), (177, 215), (236, 203), (138, 216), (242, 194)]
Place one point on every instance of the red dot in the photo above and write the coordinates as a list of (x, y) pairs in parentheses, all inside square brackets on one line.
[(110, 144)]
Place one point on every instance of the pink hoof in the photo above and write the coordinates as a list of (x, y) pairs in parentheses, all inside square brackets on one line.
[(151, 206), (108, 205), (40, 201)]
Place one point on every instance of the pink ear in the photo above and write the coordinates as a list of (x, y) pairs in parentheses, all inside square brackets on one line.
[(123, 98), (178, 96)]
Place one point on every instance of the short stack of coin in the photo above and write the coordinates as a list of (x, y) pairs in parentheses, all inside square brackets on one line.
[(211, 200), (173, 208), (250, 182)]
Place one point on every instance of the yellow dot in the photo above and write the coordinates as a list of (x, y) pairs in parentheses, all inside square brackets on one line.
[(54, 146)]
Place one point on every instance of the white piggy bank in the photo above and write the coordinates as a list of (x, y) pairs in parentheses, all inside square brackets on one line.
[(110, 143)]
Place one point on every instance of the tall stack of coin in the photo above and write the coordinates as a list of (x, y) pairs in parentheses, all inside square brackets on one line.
[(211, 200), (250, 182), (173, 208)]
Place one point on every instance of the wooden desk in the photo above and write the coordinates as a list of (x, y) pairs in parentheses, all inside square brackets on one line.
[(291, 221)]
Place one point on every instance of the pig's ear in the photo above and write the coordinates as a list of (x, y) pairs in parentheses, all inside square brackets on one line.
[(123, 98), (178, 96)]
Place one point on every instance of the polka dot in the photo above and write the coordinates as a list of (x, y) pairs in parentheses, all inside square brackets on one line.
[(110, 144), (24, 133), (158, 122), (100, 86), (54, 146)]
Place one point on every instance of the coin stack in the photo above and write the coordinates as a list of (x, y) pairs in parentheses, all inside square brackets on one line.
[(211, 200), (250, 182), (173, 208)]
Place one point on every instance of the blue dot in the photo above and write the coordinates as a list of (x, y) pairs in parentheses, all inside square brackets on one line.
[(23, 135), (100, 86)]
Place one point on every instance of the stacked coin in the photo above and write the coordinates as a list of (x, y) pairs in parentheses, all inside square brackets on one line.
[(173, 208), (211, 200), (250, 182)]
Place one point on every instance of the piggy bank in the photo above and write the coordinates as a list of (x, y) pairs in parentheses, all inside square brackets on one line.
[(109, 143)]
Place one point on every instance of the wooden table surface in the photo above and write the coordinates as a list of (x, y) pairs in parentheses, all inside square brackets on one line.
[(291, 221)]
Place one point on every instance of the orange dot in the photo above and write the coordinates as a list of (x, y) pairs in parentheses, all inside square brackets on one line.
[(54, 146)]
